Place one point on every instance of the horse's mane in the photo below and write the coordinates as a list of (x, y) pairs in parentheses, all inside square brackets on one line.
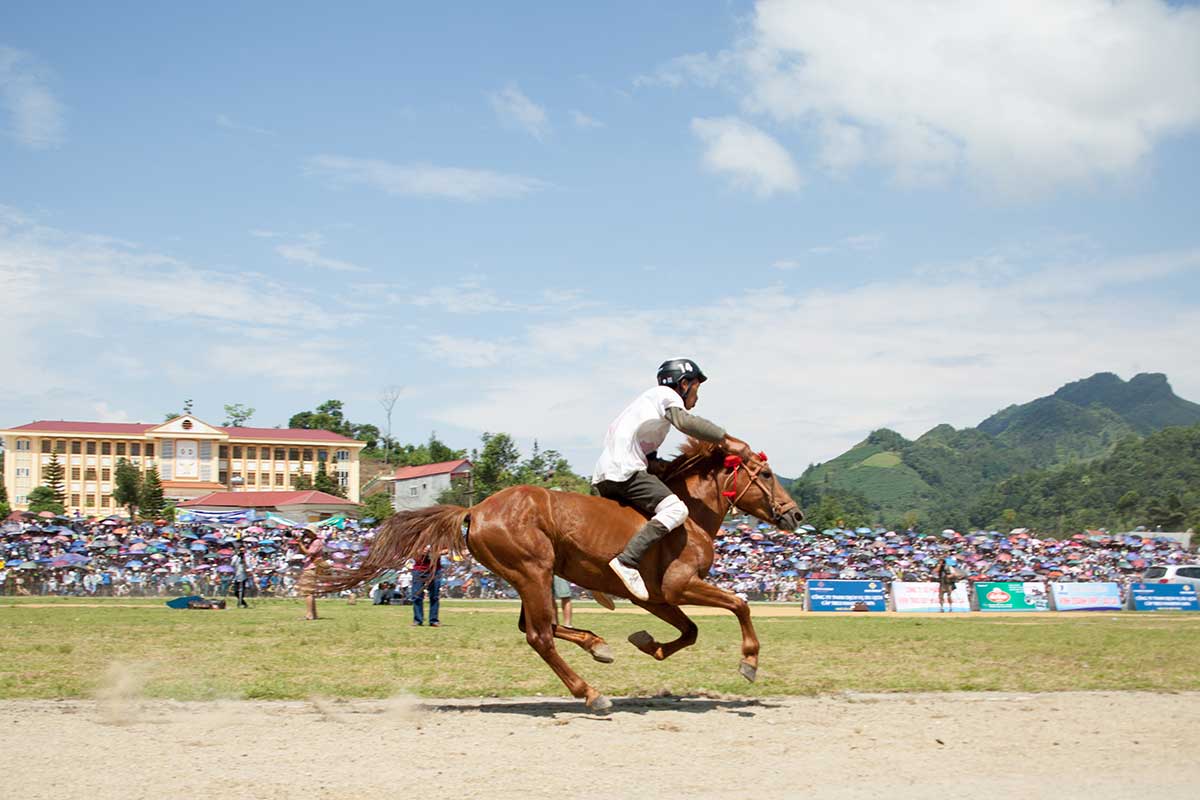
[(694, 456)]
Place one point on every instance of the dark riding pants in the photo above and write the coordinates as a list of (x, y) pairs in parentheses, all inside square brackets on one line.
[(644, 492)]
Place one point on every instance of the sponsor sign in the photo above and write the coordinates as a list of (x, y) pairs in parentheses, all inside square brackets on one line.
[(1086, 596), (847, 595), (924, 597), (1012, 596), (1164, 597)]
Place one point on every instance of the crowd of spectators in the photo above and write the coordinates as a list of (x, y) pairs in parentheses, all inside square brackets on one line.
[(762, 563), (111, 557)]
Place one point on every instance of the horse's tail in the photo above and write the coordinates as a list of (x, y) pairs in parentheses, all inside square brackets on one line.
[(405, 535)]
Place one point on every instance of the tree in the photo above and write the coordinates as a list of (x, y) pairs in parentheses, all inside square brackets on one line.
[(329, 417), (127, 486), (150, 496), (42, 499), (387, 399), (302, 482), (494, 466), (54, 478), (187, 409), (237, 415), (5, 508), (324, 482), (378, 506)]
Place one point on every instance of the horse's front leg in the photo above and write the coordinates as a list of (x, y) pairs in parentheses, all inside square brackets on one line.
[(699, 593), (672, 615)]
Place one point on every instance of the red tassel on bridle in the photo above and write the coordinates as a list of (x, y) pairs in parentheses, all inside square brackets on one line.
[(735, 463)]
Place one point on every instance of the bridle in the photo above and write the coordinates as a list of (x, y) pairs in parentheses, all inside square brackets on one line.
[(754, 473)]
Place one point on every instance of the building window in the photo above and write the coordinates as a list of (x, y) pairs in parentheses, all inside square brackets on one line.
[(75, 473), (120, 448), (23, 444), (91, 448), (343, 478), (106, 448), (186, 424), (279, 479), (89, 500), (60, 446), (22, 472), (322, 455), (89, 474), (46, 445), (149, 450), (106, 500), (135, 448), (237, 451), (293, 454), (105, 474), (76, 447), (308, 455), (343, 455), (279, 454), (412, 492), (75, 500), (223, 477), (223, 451)]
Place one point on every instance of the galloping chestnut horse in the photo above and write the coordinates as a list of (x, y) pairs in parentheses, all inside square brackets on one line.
[(526, 534)]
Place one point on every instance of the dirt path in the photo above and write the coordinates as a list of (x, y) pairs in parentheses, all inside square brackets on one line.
[(1062, 745)]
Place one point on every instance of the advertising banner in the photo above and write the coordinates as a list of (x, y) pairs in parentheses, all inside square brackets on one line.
[(1164, 597), (1012, 596), (917, 597), (847, 595), (1086, 596)]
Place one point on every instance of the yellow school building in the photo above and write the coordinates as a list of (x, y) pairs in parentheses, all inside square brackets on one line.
[(193, 458)]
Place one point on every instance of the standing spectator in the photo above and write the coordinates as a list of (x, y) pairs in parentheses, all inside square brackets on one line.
[(426, 574), (562, 593), (241, 576), (315, 568)]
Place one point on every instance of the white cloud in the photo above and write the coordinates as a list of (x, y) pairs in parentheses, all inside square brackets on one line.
[(307, 251), (516, 110), (230, 124), (1024, 95), (749, 156), (583, 120), (423, 180), (460, 351), (804, 374), (468, 296), (35, 114)]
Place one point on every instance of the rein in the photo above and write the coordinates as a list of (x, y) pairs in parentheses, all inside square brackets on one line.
[(754, 472)]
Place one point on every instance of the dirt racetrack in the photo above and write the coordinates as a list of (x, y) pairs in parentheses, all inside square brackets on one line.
[(1061, 746)]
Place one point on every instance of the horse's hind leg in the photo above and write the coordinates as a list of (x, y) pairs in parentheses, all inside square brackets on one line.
[(539, 632), (672, 615), (589, 641), (699, 593)]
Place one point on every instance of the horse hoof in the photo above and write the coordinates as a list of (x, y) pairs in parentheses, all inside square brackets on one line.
[(748, 670), (643, 641), (603, 653), (600, 704)]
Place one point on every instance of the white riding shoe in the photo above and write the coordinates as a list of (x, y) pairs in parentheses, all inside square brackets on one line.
[(631, 578)]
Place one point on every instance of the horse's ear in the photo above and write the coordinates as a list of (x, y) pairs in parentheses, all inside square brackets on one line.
[(732, 461)]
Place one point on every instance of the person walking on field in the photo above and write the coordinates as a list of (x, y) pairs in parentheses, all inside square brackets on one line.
[(426, 574), (633, 440), (241, 576)]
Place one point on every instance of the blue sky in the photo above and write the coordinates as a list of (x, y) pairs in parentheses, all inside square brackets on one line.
[(852, 215)]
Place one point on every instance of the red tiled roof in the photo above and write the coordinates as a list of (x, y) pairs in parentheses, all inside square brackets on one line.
[(440, 468), (139, 428), (256, 499), (61, 426)]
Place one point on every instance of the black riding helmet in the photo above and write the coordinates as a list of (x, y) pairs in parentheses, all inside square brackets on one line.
[(673, 371)]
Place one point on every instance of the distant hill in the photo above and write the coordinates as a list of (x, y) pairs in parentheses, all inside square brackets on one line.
[(1150, 481), (937, 478)]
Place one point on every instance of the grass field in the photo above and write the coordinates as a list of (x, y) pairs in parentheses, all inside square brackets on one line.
[(69, 650)]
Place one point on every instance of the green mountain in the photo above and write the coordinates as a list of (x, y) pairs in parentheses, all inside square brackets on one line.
[(1151, 481), (937, 478)]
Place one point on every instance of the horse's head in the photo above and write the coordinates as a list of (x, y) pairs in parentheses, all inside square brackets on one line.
[(751, 486)]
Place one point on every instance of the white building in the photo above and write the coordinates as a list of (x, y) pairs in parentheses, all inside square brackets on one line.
[(419, 487)]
